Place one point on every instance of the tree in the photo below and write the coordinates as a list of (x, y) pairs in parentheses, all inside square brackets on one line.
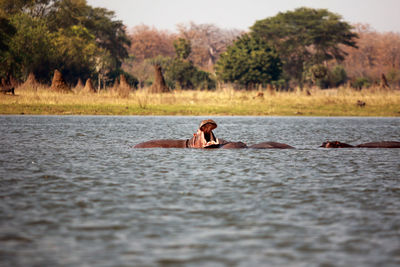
[(31, 48), (65, 34), (34, 8), (141, 70), (147, 43), (249, 61), (305, 37), (182, 48), (109, 34), (182, 72), (377, 53), (207, 41), (7, 31), (76, 52)]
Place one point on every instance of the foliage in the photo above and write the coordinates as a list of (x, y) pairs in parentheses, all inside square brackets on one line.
[(7, 30), (31, 48), (130, 79), (181, 72), (207, 43), (338, 76), (182, 48), (33, 8), (186, 76), (325, 77), (319, 75), (141, 70), (377, 53), (202, 80), (70, 35), (249, 61), (305, 37), (149, 43), (393, 76), (77, 52), (110, 34), (361, 82)]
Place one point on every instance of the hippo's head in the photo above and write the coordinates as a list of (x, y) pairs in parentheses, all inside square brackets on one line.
[(334, 144), (205, 138)]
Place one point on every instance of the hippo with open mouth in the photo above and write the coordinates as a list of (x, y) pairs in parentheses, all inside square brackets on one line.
[(205, 138)]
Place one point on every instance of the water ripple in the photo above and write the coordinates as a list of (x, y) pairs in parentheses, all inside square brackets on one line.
[(71, 187)]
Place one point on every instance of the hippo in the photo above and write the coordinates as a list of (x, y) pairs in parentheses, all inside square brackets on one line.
[(381, 144), (205, 138)]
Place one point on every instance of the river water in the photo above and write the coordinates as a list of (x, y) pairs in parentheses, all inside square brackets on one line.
[(75, 193)]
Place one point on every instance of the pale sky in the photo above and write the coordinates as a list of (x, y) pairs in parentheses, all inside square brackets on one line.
[(381, 15)]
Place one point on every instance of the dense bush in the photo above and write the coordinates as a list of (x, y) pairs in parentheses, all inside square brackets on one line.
[(324, 77), (338, 76), (249, 62), (361, 82), (182, 74)]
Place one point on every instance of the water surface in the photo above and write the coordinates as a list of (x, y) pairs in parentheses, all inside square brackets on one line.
[(74, 193)]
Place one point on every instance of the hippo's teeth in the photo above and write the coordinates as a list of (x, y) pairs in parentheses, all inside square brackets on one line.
[(212, 142)]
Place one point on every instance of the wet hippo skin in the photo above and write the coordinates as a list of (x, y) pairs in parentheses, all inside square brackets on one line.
[(381, 144), (205, 138)]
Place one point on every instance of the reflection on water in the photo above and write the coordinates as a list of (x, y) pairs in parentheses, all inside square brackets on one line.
[(74, 193)]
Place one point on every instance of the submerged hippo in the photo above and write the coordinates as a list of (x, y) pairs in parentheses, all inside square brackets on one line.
[(205, 138), (382, 144)]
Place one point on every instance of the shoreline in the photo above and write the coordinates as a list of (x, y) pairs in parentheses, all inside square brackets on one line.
[(340, 102), (18, 109)]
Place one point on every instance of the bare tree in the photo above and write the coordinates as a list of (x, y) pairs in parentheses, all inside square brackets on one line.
[(377, 53), (149, 43), (208, 42)]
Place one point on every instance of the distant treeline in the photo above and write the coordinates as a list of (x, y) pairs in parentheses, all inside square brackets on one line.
[(40, 36), (303, 47)]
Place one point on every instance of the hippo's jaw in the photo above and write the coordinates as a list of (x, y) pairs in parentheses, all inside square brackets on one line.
[(203, 139), (208, 139)]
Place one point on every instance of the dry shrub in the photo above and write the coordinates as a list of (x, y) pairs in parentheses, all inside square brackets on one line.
[(124, 88), (270, 89), (4, 84), (121, 88), (9, 82), (114, 88)]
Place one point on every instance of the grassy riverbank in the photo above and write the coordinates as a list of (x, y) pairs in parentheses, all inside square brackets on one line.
[(334, 102)]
